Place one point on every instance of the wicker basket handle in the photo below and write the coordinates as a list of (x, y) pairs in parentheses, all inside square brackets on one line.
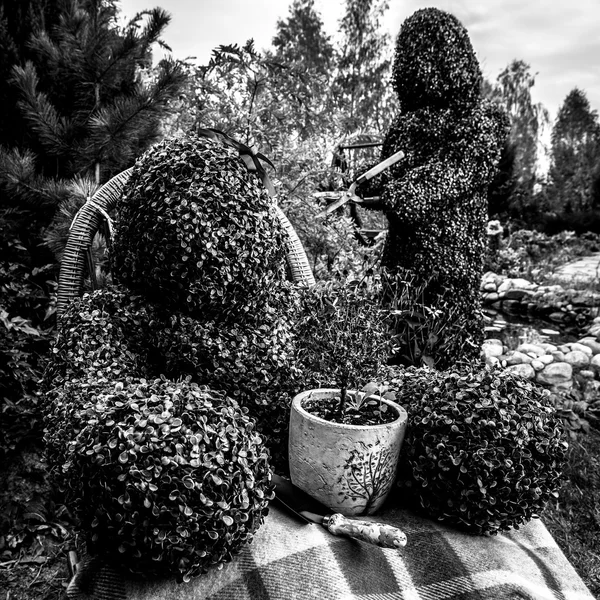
[(87, 222)]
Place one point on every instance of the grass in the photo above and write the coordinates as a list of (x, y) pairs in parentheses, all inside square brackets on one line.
[(574, 518)]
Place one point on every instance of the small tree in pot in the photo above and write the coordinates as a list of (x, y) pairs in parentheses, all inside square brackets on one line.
[(344, 442)]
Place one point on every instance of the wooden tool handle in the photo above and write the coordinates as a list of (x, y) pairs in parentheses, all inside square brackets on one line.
[(379, 534), (388, 162)]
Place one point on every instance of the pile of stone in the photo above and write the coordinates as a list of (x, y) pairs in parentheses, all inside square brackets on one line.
[(555, 366), (520, 297)]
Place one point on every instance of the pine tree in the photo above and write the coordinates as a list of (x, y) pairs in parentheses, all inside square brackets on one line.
[(87, 110), (575, 154)]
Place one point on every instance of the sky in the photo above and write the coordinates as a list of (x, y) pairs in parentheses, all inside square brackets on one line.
[(559, 39)]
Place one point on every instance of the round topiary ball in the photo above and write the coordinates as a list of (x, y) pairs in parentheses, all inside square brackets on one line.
[(101, 335), (167, 478), (196, 231), (484, 449)]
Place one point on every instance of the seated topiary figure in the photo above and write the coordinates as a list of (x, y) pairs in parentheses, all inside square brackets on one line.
[(196, 231), (164, 478), (435, 198), (484, 450)]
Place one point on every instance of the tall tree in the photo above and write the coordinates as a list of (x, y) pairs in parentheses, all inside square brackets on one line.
[(575, 154), (301, 38), (527, 119), (364, 94), (87, 111)]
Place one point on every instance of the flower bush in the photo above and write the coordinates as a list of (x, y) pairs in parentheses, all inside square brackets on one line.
[(484, 449), (167, 478), (196, 230)]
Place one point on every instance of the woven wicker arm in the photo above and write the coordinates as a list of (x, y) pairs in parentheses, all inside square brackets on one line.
[(87, 222)]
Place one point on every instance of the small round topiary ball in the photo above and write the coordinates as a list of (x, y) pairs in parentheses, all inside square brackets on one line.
[(484, 449), (196, 231), (168, 478)]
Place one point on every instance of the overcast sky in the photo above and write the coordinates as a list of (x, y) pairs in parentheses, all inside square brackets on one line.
[(559, 39)]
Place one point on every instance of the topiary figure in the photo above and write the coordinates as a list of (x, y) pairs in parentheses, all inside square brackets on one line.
[(435, 198), (196, 230), (484, 449), (165, 478)]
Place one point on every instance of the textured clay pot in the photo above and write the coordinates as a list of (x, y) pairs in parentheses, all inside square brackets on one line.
[(349, 468)]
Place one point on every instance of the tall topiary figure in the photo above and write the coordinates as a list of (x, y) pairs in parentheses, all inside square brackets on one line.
[(435, 198)]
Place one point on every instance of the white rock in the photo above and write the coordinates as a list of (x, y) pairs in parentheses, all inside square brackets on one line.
[(555, 373), (595, 362), (532, 349), (558, 356), (582, 348), (524, 370), (577, 359), (492, 347), (537, 364), (591, 343), (546, 359), (517, 358), (586, 374)]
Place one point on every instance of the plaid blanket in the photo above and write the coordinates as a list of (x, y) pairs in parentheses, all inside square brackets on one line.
[(292, 560)]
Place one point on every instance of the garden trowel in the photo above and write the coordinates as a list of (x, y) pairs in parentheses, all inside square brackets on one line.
[(312, 511), (350, 194)]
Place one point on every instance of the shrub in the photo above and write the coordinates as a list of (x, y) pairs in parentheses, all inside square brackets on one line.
[(484, 449), (196, 230), (252, 362), (436, 197), (26, 335), (342, 335), (171, 478), (102, 335)]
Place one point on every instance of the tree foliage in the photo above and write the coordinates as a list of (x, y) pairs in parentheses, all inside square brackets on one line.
[(85, 109), (527, 120), (575, 155)]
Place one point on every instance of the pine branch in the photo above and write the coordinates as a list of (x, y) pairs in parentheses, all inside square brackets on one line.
[(51, 129)]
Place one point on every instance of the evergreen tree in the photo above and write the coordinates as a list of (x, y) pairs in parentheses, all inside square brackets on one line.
[(301, 38), (575, 154), (362, 87), (87, 110), (527, 119)]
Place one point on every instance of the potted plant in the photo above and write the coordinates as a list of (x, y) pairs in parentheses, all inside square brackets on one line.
[(344, 440)]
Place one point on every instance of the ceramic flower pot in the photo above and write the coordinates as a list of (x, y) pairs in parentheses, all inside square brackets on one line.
[(349, 468)]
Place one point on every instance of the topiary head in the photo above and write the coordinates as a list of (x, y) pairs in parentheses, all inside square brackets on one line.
[(484, 448), (170, 477), (435, 65), (196, 231)]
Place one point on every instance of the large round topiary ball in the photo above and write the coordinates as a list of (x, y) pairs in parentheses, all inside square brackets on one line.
[(166, 478), (196, 231), (484, 449)]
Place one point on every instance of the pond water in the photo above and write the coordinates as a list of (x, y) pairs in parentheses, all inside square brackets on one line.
[(514, 331)]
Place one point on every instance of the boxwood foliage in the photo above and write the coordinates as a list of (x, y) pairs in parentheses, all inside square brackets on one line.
[(166, 478), (436, 197), (484, 449), (195, 230), (253, 361), (101, 335)]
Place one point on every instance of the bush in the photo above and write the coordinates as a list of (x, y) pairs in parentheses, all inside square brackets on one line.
[(252, 362), (342, 335), (436, 197), (26, 335), (484, 449), (171, 478), (196, 231), (102, 335)]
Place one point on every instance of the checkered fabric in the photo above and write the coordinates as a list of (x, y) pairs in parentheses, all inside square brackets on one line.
[(291, 560)]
